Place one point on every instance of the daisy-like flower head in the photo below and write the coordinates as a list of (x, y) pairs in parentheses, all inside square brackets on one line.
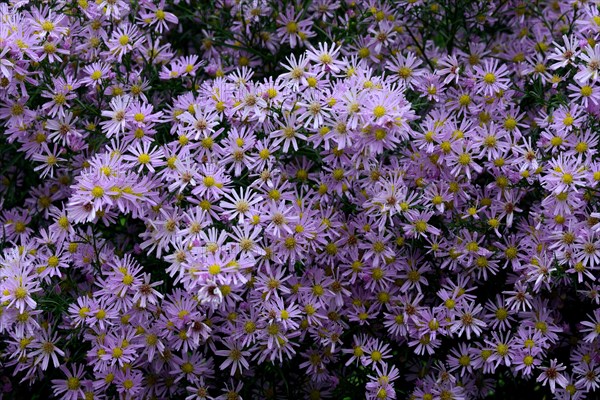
[(325, 57), (491, 77), (552, 376), (72, 387)]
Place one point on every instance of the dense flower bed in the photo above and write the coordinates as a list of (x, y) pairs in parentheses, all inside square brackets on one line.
[(299, 199)]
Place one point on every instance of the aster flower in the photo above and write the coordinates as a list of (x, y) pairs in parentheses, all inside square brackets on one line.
[(50, 160), (591, 57), (122, 41), (564, 175), (461, 358), (589, 376), (70, 388), (564, 55), (190, 367), (200, 123), (239, 205), (95, 74), (287, 315), (588, 247), (140, 115), (59, 97), (155, 14), (63, 129), (490, 77), (419, 225), (451, 69), (502, 349), (100, 314), (406, 68), (113, 8), (527, 157), (128, 383), (199, 392), (210, 293), (584, 93), (376, 352), (593, 327), (325, 57), (463, 160), (290, 130), (143, 157), (46, 350), (499, 316), (292, 28), (526, 362), (424, 345), (235, 357), (467, 320), (314, 110), (18, 287), (377, 250), (119, 109), (552, 376)]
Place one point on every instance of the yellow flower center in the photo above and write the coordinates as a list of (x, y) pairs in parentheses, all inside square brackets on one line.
[(379, 111), (586, 91), (96, 75), (73, 383), (464, 159), (291, 27), (489, 78), (144, 158), (97, 192)]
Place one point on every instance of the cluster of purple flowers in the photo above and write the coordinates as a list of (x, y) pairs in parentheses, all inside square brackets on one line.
[(290, 199)]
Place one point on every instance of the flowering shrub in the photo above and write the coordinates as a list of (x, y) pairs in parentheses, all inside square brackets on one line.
[(299, 199)]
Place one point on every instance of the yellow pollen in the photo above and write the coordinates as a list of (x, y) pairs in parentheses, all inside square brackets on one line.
[(144, 158), (291, 27), (489, 78), (379, 111), (96, 75), (73, 383), (464, 159), (586, 91), (48, 26), (97, 192)]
